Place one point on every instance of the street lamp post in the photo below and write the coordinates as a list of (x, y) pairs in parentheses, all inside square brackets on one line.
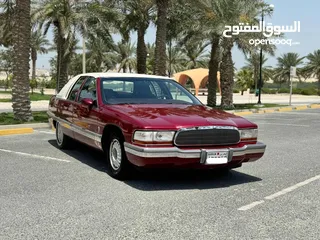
[(261, 58), (260, 79)]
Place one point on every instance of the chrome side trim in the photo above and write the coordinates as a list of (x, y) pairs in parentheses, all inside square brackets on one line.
[(86, 133), (148, 152), (89, 134)]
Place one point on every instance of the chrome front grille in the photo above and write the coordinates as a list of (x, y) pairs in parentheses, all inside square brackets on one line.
[(207, 136)]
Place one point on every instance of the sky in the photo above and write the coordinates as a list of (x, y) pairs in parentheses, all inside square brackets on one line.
[(285, 13)]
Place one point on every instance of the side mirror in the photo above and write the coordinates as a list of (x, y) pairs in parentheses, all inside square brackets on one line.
[(87, 101), (87, 104)]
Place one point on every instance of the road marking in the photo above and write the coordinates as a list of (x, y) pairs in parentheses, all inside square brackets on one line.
[(45, 132), (292, 188), (285, 124), (34, 155), (280, 193), (251, 205)]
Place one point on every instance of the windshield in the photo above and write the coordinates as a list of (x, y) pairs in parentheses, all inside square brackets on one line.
[(145, 91)]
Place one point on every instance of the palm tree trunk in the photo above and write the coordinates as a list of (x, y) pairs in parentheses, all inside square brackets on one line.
[(62, 61), (34, 63), (170, 58), (141, 52), (161, 38), (21, 47), (318, 85), (227, 75), (213, 71)]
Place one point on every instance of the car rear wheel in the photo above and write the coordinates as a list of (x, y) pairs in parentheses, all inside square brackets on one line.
[(63, 141), (117, 160)]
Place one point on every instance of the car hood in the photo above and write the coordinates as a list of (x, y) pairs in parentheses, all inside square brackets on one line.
[(180, 116)]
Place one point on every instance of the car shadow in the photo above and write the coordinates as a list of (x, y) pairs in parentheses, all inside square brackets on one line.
[(161, 179), (85, 154)]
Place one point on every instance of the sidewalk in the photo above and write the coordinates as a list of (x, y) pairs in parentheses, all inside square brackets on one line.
[(238, 99), (268, 98), (35, 106)]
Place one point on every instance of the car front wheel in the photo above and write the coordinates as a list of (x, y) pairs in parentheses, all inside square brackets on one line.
[(117, 159)]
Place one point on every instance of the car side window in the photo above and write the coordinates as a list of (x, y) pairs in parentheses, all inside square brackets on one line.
[(89, 90), (75, 89)]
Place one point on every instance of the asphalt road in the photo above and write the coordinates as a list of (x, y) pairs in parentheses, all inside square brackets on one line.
[(49, 194)]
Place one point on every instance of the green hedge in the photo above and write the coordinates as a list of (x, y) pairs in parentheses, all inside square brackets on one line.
[(309, 91), (284, 90), (268, 91)]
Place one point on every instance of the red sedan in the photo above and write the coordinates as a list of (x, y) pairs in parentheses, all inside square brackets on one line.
[(150, 121)]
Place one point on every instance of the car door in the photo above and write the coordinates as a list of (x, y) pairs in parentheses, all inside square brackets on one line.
[(65, 109), (86, 120)]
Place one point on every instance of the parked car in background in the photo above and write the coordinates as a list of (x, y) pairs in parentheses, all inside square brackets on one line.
[(150, 121)]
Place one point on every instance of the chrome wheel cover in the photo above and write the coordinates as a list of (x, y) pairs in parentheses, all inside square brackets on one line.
[(115, 154), (59, 134)]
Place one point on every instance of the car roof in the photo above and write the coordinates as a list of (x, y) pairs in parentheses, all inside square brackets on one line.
[(119, 75), (66, 89)]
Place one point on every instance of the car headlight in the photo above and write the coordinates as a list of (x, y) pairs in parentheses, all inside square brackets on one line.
[(248, 134), (153, 136)]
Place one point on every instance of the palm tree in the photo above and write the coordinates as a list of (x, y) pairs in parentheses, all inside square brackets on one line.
[(125, 56), (140, 13), (150, 57), (195, 53), (313, 66), (176, 60), (6, 58), (205, 23), (208, 22), (99, 56), (286, 61), (6, 22), (233, 13), (38, 45), (244, 79), (21, 47), (161, 37), (91, 19), (253, 63)]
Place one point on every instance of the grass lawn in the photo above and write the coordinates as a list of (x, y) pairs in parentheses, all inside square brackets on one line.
[(33, 97), (38, 117), (252, 106), (6, 92)]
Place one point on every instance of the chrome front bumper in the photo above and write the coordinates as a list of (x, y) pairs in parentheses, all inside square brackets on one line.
[(174, 152)]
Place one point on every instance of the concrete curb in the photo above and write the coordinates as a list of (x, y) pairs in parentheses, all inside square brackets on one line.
[(273, 110), (31, 125), (5, 132)]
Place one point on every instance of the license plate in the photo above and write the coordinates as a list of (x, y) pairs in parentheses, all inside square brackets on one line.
[(217, 157)]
